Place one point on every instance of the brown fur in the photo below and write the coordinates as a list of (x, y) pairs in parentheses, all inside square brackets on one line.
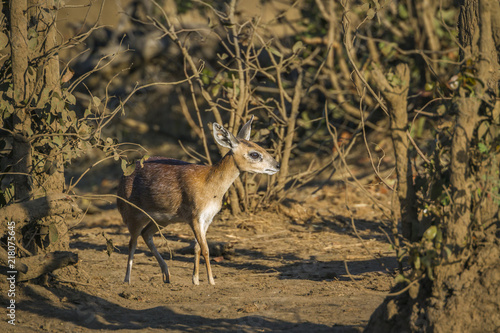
[(170, 191)]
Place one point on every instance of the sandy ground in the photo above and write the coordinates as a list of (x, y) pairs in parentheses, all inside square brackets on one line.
[(282, 270)]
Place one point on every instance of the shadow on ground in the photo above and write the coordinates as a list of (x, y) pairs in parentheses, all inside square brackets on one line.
[(86, 311)]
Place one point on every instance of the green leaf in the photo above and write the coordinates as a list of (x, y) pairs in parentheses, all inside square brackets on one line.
[(32, 33), (386, 48), (441, 109), (71, 99), (58, 141), (439, 237), (144, 158), (370, 13), (127, 169), (215, 90), (53, 234), (44, 97), (54, 105), (416, 262), (430, 233), (429, 273), (482, 147), (87, 112), (447, 252), (482, 129), (123, 164), (364, 6), (32, 38), (427, 261), (56, 94), (205, 79), (71, 116), (400, 278), (47, 165), (222, 56), (83, 129), (402, 11), (429, 86), (297, 46), (32, 44), (275, 52), (96, 100)]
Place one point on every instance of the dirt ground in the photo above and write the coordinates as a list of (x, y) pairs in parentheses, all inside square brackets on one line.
[(298, 268)]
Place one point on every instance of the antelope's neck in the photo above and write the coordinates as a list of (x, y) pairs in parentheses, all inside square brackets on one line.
[(223, 174)]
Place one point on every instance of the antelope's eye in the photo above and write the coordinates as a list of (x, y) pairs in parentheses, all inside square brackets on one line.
[(254, 155)]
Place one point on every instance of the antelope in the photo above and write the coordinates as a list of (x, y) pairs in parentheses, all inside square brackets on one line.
[(171, 191)]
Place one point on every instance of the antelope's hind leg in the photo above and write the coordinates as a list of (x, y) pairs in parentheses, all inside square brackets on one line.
[(132, 245), (147, 235)]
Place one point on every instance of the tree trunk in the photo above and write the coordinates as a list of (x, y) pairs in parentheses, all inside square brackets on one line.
[(48, 79), (489, 71), (35, 72), (290, 132), (477, 35), (463, 297), (457, 227), (33, 210), (21, 147), (396, 94)]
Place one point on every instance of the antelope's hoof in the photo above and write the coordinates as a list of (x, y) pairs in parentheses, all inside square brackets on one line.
[(196, 280)]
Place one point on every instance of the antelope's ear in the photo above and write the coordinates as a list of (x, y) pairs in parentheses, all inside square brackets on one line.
[(244, 132), (224, 138)]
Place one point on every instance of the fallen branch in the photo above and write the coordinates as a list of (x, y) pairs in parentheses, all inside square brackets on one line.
[(4, 260), (29, 268), (45, 263)]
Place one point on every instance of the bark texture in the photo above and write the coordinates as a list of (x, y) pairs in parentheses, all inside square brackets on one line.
[(21, 147), (43, 14), (463, 297), (33, 210), (35, 74), (396, 94), (458, 225)]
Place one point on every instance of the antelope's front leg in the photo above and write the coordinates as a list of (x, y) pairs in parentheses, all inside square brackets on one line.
[(202, 247)]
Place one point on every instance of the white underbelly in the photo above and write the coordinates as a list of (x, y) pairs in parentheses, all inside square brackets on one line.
[(164, 219)]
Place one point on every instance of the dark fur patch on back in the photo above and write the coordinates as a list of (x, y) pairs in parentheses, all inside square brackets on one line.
[(164, 161)]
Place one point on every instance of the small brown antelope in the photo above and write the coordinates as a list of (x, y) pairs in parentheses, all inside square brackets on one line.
[(175, 191)]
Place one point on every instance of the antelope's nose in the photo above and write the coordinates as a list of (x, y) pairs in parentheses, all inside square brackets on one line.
[(278, 165)]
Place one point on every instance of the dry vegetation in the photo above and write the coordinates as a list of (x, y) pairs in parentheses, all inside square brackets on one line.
[(383, 114)]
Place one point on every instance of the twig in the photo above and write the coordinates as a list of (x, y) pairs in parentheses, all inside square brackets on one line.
[(380, 292), (368, 147), (189, 153), (333, 134), (417, 148)]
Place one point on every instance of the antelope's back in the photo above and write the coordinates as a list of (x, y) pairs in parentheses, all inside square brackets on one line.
[(154, 187)]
